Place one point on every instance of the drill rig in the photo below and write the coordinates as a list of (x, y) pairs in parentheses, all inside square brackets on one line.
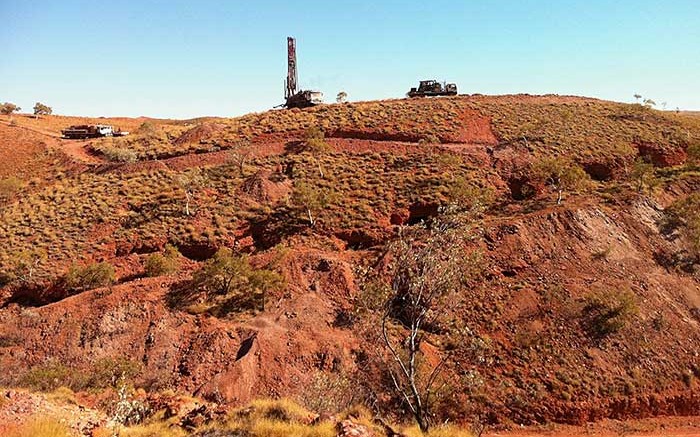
[(297, 98)]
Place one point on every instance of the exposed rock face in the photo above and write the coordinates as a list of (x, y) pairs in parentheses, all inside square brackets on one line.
[(219, 359), (662, 156)]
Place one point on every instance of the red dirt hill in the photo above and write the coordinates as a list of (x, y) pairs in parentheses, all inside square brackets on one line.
[(521, 341)]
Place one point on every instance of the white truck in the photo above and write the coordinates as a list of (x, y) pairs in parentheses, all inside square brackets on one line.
[(84, 131)]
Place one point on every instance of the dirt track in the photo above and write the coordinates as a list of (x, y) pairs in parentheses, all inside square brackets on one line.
[(74, 149)]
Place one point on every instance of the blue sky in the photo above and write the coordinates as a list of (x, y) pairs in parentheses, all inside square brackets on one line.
[(192, 58)]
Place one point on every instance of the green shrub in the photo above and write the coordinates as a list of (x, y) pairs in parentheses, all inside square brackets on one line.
[(109, 371), (90, 276), (230, 282), (643, 175), (561, 175), (314, 141), (159, 264), (605, 313), (52, 375)]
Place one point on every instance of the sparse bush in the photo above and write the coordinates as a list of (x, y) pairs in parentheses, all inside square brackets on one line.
[(26, 265), (606, 313), (314, 141), (147, 129), (425, 271), (311, 199), (191, 183), (109, 371), (331, 393), (52, 375), (118, 154), (166, 263), (90, 276), (231, 282), (560, 175), (40, 427), (240, 154), (643, 174)]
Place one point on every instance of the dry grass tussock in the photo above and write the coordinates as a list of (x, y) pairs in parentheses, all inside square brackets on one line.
[(275, 418), (40, 427)]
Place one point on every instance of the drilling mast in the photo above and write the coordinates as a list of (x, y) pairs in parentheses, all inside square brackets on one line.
[(292, 75), (295, 98)]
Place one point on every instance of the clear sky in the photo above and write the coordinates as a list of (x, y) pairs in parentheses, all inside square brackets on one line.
[(187, 58)]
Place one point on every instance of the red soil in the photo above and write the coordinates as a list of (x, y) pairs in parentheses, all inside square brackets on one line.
[(540, 264)]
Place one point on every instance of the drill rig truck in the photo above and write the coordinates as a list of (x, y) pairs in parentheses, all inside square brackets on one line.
[(297, 98)]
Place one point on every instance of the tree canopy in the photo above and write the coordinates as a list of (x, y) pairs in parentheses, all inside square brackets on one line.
[(41, 109)]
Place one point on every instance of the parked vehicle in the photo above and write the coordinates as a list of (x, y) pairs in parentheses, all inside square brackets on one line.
[(431, 88), (83, 131)]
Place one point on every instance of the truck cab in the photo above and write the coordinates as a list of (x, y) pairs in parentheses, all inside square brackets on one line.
[(103, 130)]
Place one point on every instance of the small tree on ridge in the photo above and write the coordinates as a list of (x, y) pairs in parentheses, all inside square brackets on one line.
[(41, 109), (8, 108)]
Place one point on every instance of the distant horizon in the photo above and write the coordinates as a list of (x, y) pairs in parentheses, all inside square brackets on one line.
[(28, 112), (180, 59)]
